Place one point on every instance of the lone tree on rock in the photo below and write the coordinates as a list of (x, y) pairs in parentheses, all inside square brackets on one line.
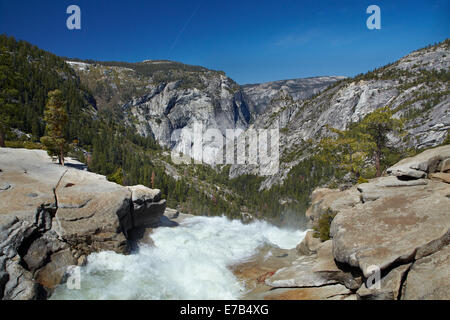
[(361, 142), (56, 118), (348, 148), (377, 125)]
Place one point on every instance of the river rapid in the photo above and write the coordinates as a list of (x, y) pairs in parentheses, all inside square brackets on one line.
[(190, 261)]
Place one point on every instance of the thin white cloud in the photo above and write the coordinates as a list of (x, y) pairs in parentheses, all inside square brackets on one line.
[(297, 39)]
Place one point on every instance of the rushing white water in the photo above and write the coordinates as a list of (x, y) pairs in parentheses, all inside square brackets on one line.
[(189, 261)]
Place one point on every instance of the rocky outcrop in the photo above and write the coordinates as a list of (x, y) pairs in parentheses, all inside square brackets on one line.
[(176, 97), (391, 228), (429, 277), (410, 86), (419, 166), (397, 222), (315, 271), (52, 217), (390, 286), (147, 206), (398, 231), (323, 200), (309, 245)]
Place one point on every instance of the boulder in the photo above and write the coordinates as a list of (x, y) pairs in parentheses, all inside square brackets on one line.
[(40, 251), (141, 194), (323, 199), (148, 207), (53, 272), (171, 213), (429, 278), (420, 165)]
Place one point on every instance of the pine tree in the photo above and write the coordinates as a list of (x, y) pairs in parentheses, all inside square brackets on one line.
[(377, 125), (348, 148), (56, 119), (352, 148)]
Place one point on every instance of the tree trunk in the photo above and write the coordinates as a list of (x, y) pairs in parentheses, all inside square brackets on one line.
[(377, 162), (2, 139), (61, 156)]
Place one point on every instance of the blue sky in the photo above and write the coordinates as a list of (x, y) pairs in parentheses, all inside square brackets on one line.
[(252, 41)]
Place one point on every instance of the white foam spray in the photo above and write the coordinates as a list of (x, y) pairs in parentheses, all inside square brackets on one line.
[(188, 262)]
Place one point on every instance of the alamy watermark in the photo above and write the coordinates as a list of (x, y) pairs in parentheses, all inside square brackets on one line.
[(374, 279), (73, 280), (73, 22), (251, 147), (374, 20)]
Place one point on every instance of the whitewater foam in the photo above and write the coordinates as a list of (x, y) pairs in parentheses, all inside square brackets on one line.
[(188, 262)]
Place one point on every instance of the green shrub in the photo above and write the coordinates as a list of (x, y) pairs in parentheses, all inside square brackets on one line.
[(362, 180), (23, 144), (322, 227), (117, 176)]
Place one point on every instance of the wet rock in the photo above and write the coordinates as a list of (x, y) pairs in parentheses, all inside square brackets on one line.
[(313, 271), (329, 292), (52, 273)]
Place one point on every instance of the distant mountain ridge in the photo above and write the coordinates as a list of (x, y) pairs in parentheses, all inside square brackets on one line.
[(416, 87), (261, 94), (157, 98)]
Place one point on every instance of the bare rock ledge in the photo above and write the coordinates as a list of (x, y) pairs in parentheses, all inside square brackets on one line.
[(52, 217), (399, 224)]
